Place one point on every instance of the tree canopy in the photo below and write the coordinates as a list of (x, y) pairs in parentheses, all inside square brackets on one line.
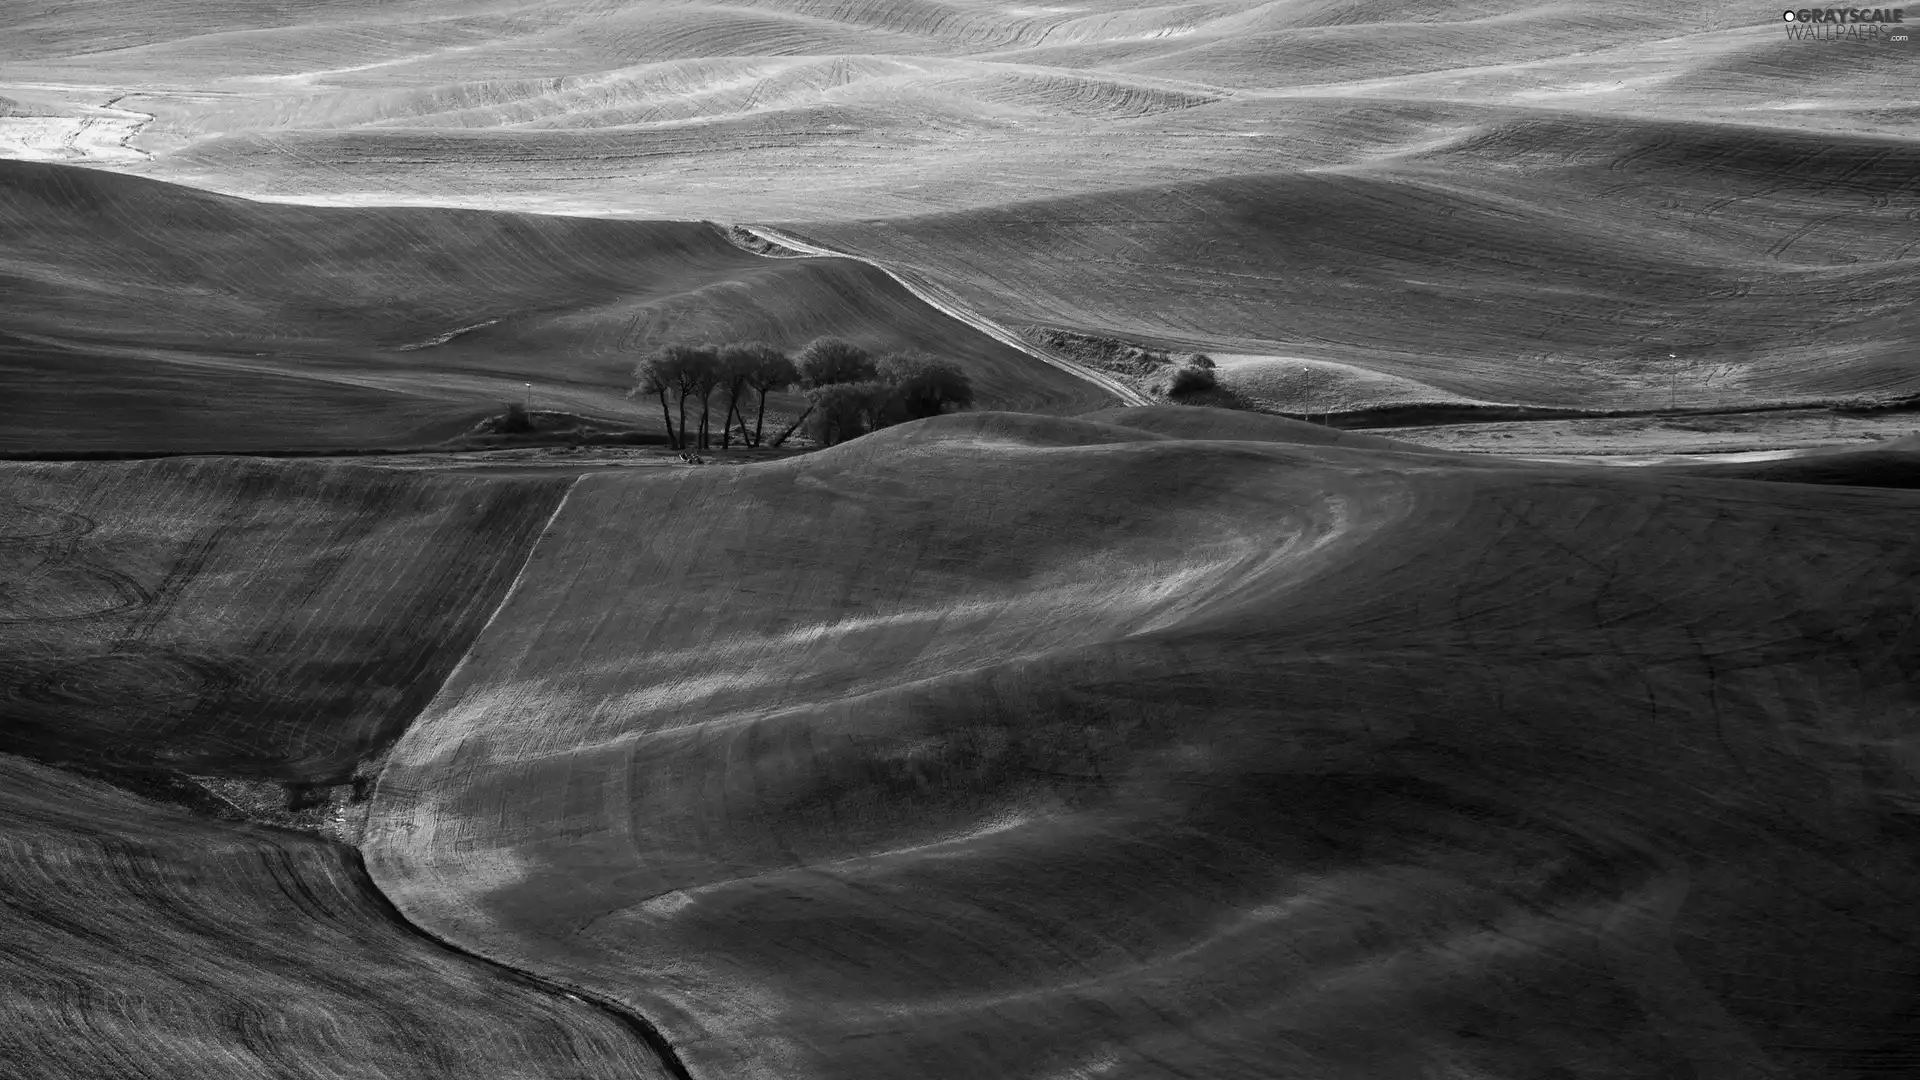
[(849, 393), (825, 361), (925, 386)]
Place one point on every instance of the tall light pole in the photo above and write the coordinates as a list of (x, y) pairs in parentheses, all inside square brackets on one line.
[(1673, 386)]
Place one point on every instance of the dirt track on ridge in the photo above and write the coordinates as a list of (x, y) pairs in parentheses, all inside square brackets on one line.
[(951, 307)]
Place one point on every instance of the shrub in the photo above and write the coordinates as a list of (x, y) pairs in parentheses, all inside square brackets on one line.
[(1191, 380), (515, 422), (923, 386)]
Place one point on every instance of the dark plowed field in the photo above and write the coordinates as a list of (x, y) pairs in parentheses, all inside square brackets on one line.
[(1002, 746), (278, 621), (143, 942)]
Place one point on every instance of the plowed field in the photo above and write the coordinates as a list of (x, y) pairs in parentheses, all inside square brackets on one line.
[(276, 621), (952, 753), (142, 941)]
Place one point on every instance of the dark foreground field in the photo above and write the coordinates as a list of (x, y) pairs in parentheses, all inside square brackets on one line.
[(950, 757), (1167, 742), (144, 942)]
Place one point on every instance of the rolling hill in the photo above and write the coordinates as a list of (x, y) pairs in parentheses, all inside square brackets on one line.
[(150, 316), (1545, 262), (1507, 202), (948, 752)]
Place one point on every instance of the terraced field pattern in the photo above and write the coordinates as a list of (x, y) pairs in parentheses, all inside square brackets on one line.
[(1499, 659)]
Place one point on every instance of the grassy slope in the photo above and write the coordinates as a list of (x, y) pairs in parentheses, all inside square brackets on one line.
[(145, 942), (269, 621), (948, 753), (192, 320)]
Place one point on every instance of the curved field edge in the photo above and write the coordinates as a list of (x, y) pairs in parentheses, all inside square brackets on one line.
[(146, 941), (950, 755)]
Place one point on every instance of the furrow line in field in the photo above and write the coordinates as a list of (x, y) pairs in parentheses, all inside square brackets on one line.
[(951, 308), (512, 586)]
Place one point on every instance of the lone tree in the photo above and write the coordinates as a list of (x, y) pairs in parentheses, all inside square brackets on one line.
[(923, 386)]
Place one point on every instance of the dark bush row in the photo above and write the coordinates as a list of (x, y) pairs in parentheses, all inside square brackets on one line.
[(849, 391)]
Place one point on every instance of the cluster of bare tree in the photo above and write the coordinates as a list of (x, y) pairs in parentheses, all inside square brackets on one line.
[(849, 392)]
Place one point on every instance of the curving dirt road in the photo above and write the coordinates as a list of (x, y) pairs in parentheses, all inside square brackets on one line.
[(948, 306)]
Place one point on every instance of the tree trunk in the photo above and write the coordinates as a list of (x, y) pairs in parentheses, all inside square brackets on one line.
[(760, 420), (726, 425), (705, 413), (733, 414), (668, 417), (791, 428), (681, 443)]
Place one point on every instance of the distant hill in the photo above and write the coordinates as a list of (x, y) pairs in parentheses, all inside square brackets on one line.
[(145, 315)]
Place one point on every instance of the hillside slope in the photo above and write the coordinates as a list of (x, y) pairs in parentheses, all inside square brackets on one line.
[(1536, 260), (949, 752), (143, 315)]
